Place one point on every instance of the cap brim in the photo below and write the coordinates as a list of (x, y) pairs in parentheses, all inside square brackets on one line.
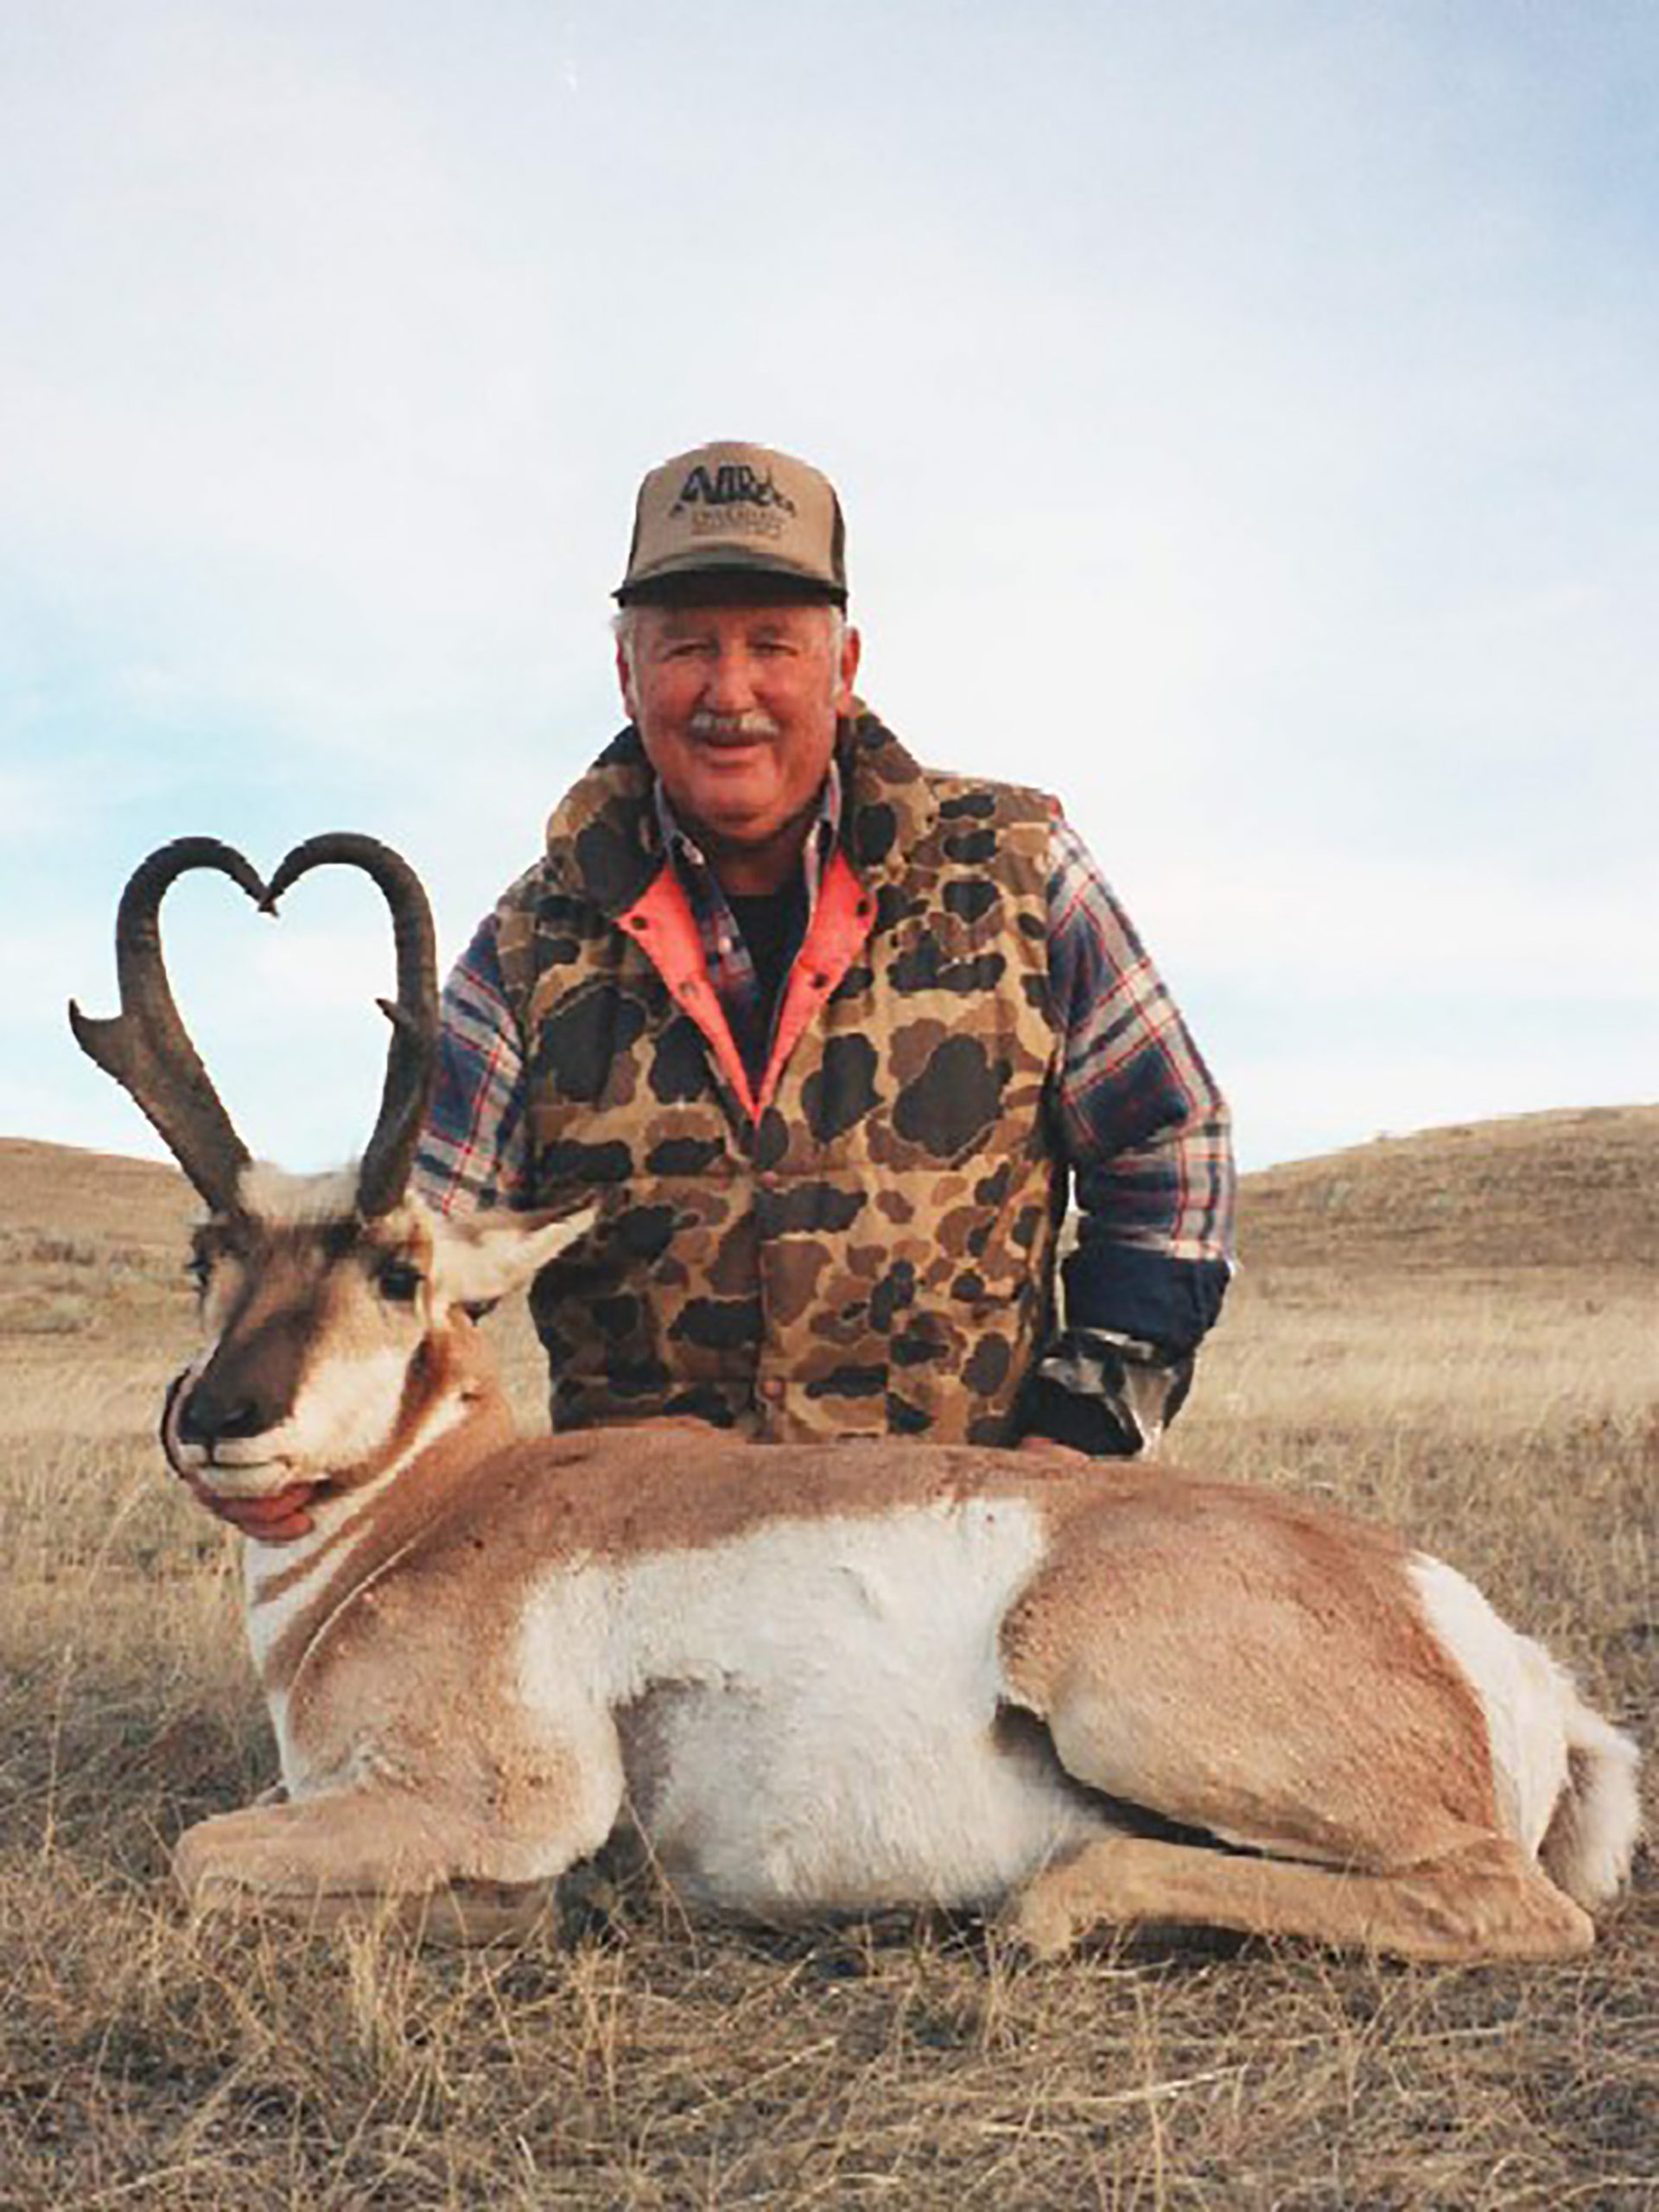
[(742, 575)]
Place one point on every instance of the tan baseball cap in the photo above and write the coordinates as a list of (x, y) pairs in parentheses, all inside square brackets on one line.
[(722, 512)]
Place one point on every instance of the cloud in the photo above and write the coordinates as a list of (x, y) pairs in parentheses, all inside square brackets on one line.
[(1248, 430), (37, 803), (1376, 926)]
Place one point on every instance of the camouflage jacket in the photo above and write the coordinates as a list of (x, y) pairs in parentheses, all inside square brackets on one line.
[(863, 1240)]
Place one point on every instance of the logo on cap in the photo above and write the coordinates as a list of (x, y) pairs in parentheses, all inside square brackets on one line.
[(732, 484)]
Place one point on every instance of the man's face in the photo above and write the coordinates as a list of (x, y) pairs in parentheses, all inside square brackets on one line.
[(736, 707)]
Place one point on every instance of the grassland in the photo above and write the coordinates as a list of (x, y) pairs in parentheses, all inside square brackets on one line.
[(1456, 1332)]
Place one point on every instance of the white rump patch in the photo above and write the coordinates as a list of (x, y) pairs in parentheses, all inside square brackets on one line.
[(1593, 1839), (1526, 1697)]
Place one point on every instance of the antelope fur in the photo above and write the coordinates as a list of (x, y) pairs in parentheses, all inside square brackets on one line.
[(839, 1676)]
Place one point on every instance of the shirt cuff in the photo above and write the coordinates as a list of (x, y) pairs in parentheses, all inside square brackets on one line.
[(1110, 1396), (1125, 1290)]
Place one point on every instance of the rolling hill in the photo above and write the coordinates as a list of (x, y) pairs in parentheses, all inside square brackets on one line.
[(1573, 1189), (1577, 1188)]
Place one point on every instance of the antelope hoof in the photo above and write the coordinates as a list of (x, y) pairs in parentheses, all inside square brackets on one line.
[(204, 1884), (1039, 1920)]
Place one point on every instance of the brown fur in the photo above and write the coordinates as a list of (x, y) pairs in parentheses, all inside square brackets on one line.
[(1318, 1615), (1229, 1660)]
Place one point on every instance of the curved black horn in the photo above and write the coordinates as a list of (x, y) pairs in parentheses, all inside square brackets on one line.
[(145, 1046), (412, 1057)]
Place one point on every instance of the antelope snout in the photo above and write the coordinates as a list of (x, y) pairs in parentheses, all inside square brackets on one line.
[(208, 1408), (208, 1417)]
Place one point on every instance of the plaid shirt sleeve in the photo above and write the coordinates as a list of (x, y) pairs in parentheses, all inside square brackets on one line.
[(473, 1151), (1142, 1124)]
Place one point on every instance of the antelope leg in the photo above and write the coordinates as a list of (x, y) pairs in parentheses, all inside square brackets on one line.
[(358, 1854), (1485, 1901)]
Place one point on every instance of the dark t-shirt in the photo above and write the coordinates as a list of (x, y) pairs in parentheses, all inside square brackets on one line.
[(773, 925)]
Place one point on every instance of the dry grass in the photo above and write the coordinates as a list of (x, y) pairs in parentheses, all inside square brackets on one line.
[(1502, 1410)]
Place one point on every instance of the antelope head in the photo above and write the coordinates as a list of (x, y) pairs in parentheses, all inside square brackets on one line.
[(334, 1307)]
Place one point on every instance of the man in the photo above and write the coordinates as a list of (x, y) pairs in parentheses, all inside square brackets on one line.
[(828, 1035)]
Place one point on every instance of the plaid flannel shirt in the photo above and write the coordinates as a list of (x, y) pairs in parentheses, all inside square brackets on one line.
[(1138, 1119)]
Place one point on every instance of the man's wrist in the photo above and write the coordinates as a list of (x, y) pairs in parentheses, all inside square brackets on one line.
[(1105, 1392)]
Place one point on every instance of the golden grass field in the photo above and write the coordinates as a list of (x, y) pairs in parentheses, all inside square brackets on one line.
[(1456, 1332)]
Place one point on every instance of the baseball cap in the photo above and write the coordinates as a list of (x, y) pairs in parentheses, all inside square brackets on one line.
[(725, 511)]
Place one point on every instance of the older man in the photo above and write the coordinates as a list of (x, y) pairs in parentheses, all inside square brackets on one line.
[(831, 1036)]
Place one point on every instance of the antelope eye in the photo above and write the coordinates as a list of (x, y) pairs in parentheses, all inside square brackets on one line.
[(400, 1281), (199, 1269)]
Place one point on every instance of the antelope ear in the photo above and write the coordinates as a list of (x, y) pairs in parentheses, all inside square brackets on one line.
[(484, 1256)]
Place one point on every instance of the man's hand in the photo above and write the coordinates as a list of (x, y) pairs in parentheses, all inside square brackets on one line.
[(1108, 1394)]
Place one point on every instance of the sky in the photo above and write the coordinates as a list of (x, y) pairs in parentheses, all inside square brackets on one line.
[(1246, 417)]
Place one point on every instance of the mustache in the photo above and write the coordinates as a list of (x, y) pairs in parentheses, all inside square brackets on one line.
[(753, 721)]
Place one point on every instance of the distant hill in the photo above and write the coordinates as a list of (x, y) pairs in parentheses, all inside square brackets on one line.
[(1576, 1188), (56, 1190), (91, 1244)]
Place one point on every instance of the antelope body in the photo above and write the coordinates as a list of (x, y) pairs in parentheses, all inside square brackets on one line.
[(811, 1677)]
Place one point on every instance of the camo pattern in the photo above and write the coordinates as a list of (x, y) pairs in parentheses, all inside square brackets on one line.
[(875, 1254)]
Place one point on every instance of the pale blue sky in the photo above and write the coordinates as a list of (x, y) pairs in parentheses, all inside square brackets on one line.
[(1247, 418)]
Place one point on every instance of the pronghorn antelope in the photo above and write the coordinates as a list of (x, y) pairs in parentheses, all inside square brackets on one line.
[(810, 1678)]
